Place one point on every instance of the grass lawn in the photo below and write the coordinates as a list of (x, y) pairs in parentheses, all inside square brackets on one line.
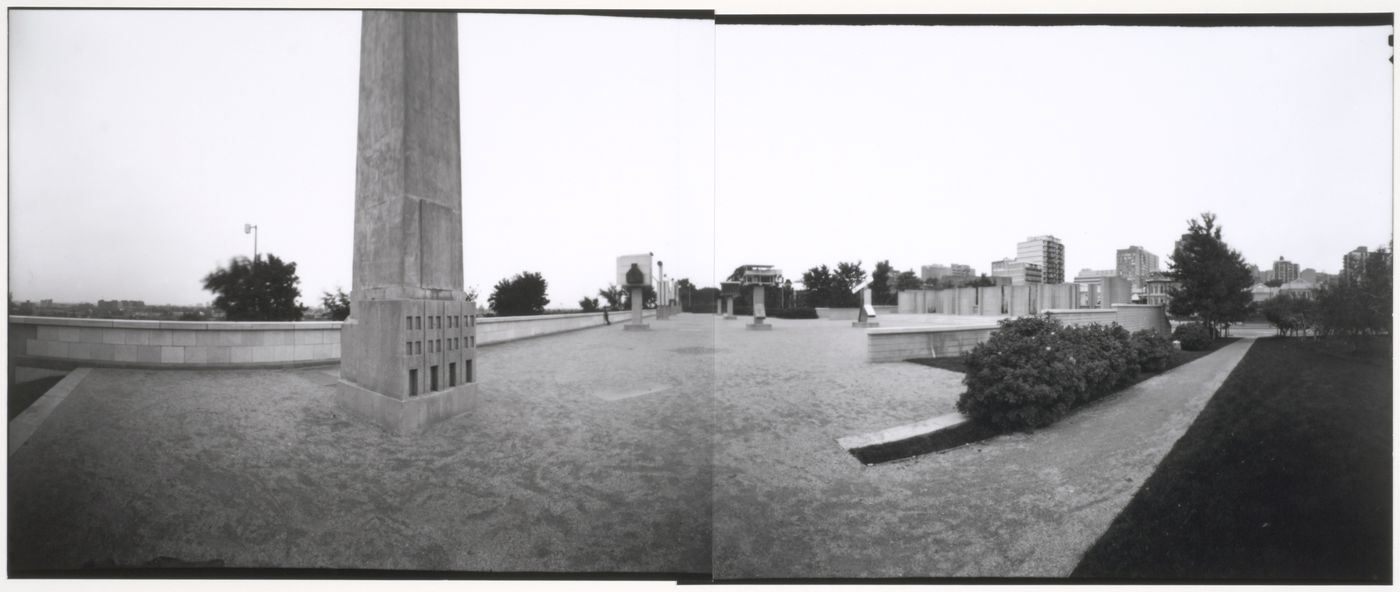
[(24, 394), (1286, 474)]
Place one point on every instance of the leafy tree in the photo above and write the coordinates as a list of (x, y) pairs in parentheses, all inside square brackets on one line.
[(472, 294), (262, 290), (1360, 305), (1273, 283), (524, 294), (614, 296), (846, 277), (906, 280), (648, 297), (880, 283), (818, 283), (1213, 279), (337, 305), (588, 304), (684, 293), (1289, 314)]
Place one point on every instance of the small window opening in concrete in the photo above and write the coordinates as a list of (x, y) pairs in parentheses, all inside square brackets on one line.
[(432, 378), (413, 383), (452, 374), (467, 372)]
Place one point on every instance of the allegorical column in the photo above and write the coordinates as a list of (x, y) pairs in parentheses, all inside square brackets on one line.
[(408, 349)]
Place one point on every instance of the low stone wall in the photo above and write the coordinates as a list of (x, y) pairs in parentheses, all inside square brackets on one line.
[(902, 343), (1084, 316), (1143, 316), (838, 314), (492, 330), (62, 343), (46, 342), (896, 344)]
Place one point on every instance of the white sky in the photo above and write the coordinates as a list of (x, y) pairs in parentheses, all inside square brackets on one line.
[(951, 144), (142, 141)]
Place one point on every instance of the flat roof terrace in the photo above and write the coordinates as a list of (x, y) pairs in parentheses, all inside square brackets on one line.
[(587, 451)]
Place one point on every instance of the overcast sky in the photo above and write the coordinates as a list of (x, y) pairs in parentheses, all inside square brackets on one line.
[(951, 144), (142, 141)]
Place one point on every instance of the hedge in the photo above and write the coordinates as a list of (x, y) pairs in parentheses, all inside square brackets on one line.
[(1034, 370), (1193, 336)]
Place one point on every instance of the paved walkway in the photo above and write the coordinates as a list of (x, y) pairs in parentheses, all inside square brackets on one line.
[(585, 452), (790, 503)]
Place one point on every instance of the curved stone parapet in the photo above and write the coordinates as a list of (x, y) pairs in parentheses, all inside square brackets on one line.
[(65, 343)]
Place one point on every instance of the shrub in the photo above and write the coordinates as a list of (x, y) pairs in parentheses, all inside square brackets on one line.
[(1033, 370), (1193, 336), (793, 313), (1152, 350)]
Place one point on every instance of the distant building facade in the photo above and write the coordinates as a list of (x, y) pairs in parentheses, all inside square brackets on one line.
[(1134, 264), (1047, 253), (1095, 284), (1354, 263), (1157, 288), (1019, 272), (1285, 271)]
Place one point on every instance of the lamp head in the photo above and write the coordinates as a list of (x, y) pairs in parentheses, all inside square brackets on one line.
[(247, 229)]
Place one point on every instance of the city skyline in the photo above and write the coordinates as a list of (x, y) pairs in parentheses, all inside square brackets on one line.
[(826, 149)]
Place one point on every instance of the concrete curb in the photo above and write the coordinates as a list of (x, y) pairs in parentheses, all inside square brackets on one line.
[(934, 434), (28, 422)]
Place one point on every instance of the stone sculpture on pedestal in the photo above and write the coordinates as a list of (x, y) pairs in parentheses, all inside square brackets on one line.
[(634, 274)]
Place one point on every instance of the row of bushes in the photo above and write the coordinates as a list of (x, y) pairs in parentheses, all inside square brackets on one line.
[(1193, 336), (793, 313), (1034, 370)]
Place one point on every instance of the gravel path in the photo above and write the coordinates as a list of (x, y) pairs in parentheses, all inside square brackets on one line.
[(588, 451)]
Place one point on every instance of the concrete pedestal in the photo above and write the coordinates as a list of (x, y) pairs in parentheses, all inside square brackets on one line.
[(636, 324), (864, 325), (759, 311)]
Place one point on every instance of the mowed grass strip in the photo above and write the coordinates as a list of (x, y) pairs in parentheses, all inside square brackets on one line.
[(1285, 475)]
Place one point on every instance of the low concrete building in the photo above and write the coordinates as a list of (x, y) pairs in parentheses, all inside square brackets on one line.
[(1020, 272)]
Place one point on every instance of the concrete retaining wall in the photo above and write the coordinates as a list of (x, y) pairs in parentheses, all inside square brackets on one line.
[(1143, 316), (838, 314), (902, 343), (1084, 316), (45, 342)]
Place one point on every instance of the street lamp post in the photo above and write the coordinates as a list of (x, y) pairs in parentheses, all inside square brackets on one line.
[(253, 229)]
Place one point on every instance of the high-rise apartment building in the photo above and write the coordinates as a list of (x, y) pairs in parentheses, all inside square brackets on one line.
[(1020, 272), (1354, 263), (1135, 264), (1047, 253), (1285, 271)]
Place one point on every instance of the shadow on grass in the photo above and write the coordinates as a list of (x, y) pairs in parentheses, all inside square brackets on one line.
[(1286, 474), (24, 394)]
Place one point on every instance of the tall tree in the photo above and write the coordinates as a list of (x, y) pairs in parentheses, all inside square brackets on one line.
[(265, 290), (614, 296), (1213, 279), (588, 304), (818, 282), (685, 293), (846, 277), (907, 280), (527, 293), (881, 282)]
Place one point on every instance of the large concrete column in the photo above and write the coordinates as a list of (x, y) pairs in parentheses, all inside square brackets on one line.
[(409, 346)]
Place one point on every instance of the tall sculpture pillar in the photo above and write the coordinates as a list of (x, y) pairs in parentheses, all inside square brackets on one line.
[(409, 346)]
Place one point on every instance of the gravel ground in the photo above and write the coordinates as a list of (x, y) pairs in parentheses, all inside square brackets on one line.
[(585, 452), (790, 503)]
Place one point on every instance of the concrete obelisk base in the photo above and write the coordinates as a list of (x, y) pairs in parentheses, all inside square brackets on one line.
[(729, 308), (636, 324)]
